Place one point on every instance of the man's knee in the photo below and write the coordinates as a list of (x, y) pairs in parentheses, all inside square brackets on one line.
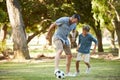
[(59, 51), (69, 56)]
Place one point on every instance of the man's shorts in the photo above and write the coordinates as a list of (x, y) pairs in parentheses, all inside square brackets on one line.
[(60, 46), (84, 57)]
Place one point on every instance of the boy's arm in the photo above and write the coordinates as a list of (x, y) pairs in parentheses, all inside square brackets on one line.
[(52, 26), (94, 49), (96, 43)]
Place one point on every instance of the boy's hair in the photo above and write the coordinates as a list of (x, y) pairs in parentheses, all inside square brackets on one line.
[(76, 16), (86, 27)]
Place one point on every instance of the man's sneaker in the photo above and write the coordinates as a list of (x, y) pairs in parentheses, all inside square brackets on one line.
[(69, 74), (56, 71), (88, 70), (76, 73)]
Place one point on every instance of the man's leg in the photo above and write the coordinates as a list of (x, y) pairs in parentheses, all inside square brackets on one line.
[(57, 59), (68, 62), (59, 49), (67, 50)]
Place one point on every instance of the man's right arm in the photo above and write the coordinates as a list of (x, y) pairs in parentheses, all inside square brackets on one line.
[(52, 26)]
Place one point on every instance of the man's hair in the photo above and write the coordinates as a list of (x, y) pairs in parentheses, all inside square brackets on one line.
[(76, 16), (86, 27)]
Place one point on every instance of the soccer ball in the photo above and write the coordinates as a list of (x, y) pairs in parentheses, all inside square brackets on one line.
[(60, 75)]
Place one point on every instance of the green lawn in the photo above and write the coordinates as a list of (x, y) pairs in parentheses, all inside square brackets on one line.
[(101, 70)]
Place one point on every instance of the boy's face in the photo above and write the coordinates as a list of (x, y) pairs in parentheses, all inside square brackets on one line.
[(84, 32)]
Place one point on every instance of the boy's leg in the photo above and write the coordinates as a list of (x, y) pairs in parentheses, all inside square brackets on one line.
[(87, 62), (78, 59), (59, 49), (77, 66)]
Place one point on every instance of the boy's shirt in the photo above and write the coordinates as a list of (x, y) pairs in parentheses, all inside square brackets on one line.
[(63, 30), (85, 43)]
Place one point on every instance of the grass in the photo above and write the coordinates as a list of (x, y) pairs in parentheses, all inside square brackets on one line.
[(101, 70)]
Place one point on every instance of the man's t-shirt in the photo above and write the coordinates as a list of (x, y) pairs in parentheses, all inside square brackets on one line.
[(85, 43), (63, 30)]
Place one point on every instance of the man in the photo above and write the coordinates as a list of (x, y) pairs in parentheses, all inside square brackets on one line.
[(64, 26), (84, 45)]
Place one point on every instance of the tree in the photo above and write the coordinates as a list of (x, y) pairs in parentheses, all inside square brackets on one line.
[(84, 8), (36, 12), (3, 26), (98, 14), (18, 30), (44, 25), (115, 4), (109, 13)]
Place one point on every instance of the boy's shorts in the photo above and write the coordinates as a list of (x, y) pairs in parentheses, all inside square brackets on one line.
[(84, 57), (60, 46)]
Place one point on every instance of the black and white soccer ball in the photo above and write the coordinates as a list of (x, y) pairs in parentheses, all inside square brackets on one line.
[(60, 74)]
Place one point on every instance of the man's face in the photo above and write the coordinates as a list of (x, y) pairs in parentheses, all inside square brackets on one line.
[(85, 32), (74, 20)]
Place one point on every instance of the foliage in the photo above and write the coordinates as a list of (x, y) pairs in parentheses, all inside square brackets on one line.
[(2, 46), (103, 13), (3, 16), (83, 7), (3, 12)]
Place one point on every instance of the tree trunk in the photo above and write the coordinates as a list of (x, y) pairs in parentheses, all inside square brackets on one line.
[(116, 23), (99, 36), (113, 40), (18, 30), (117, 27)]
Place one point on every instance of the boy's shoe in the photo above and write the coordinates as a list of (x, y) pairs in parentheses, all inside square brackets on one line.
[(88, 70), (69, 74), (76, 73)]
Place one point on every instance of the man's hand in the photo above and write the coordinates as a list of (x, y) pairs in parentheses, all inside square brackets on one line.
[(47, 37)]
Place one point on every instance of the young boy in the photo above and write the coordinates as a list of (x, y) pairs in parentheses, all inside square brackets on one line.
[(84, 45)]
